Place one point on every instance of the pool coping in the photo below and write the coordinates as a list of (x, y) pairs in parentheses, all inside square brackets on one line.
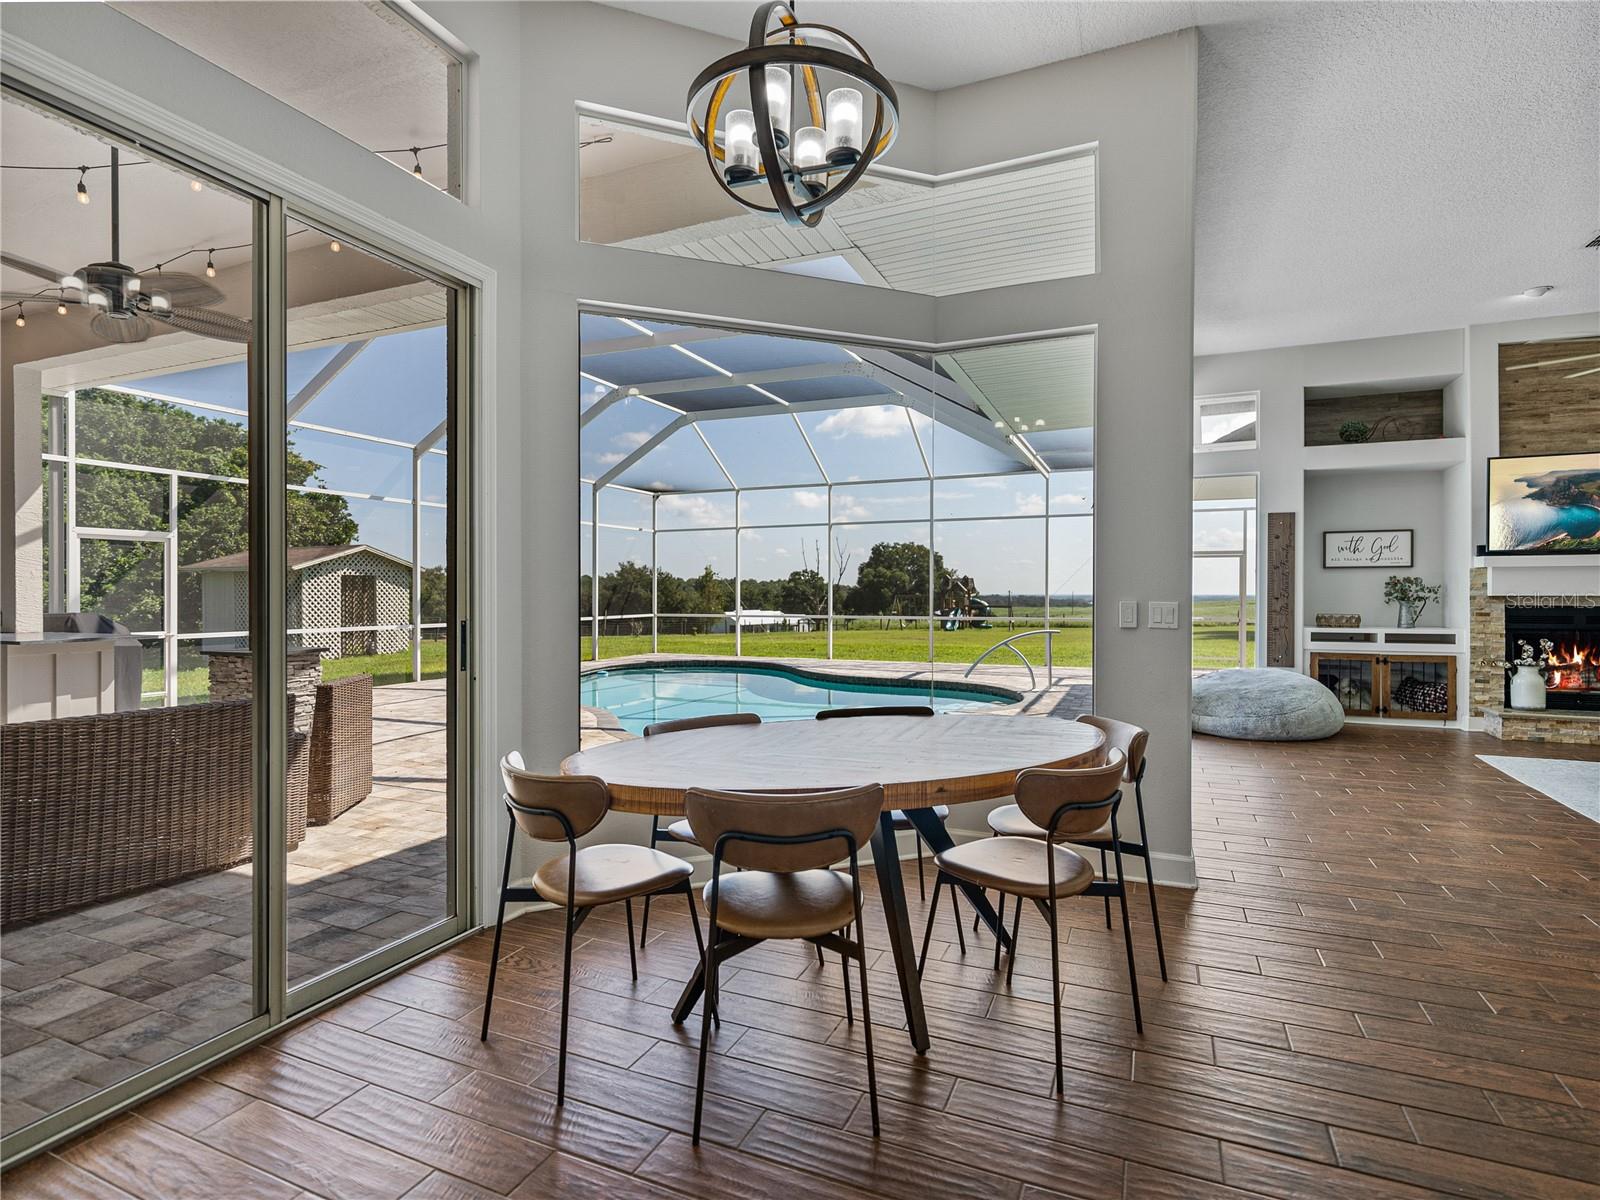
[(767, 667)]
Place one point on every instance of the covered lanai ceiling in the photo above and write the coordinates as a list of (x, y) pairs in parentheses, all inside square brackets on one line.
[(670, 408)]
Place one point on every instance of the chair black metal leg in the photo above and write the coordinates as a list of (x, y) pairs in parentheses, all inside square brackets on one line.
[(866, 1011), (633, 957), (927, 932), (1016, 924), (707, 1003), (844, 966), (694, 917), (1000, 909), (1055, 990), (819, 957), (1127, 937), (644, 924), (499, 924), (1104, 873), (1155, 916), (566, 993), (956, 917), (922, 885)]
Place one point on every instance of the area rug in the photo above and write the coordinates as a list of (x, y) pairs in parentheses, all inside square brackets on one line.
[(1565, 780)]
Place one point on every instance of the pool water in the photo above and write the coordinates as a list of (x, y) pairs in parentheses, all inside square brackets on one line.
[(640, 696)]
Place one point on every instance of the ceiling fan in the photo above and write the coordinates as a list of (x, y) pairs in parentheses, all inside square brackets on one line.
[(127, 306)]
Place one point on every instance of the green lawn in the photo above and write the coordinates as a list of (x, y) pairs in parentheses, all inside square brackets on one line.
[(384, 668), (1215, 643)]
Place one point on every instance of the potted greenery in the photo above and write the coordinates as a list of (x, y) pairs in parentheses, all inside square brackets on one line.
[(1528, 671), (1412, 596)]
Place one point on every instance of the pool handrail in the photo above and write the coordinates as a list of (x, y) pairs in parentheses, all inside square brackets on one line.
[(1006, 643)]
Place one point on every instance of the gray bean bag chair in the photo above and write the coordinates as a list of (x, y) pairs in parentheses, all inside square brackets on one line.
[(1268, 704)]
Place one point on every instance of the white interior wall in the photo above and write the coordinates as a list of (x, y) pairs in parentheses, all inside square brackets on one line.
[(1281, 377), (1142, 302), (1345, 500)]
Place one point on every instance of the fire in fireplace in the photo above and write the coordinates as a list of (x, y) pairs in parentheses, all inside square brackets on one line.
[(1573, 677)]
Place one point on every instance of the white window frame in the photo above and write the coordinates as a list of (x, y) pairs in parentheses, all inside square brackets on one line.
[(1200, 405)]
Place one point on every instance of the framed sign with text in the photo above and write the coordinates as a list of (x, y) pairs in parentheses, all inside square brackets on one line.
[(1366, 548)]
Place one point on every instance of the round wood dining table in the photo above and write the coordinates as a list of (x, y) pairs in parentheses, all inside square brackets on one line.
[(952, 758)]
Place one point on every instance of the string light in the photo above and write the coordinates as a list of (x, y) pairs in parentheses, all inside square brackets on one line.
[(61, 306), (22, 321), (335, 247), (416, 162), (83, 188), (211, 267), (196, 186)]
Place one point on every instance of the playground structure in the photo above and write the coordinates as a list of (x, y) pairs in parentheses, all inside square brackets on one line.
[(960, 604)]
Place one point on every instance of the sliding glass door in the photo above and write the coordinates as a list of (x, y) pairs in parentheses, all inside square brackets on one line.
[(370, 575), (233, 617)]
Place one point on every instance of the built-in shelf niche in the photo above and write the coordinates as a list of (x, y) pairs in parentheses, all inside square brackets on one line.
[(1400, 415)]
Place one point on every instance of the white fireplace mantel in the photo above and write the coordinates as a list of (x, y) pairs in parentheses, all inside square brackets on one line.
[(1549, 575)]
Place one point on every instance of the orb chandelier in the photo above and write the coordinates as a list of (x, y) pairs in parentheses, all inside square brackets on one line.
[(802, 155)]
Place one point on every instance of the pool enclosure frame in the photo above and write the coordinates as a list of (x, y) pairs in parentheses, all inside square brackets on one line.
[(64, 536), (870, 363)]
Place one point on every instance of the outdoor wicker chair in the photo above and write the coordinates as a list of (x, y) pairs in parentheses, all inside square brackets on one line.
[(96, 807), (341, 748)]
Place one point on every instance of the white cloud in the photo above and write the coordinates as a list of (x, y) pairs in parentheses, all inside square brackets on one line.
[(1029, 505), (609, 459), (850, 510), (632, 439), (810, 500), (695, 510), (881, 421)]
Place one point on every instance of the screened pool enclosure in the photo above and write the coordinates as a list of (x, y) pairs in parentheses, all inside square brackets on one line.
[(759, 495)]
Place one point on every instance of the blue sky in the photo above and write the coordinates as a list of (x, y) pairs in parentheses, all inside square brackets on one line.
[(395, 388)]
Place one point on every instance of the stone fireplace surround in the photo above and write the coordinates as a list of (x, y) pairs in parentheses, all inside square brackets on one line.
[(1487, 689)]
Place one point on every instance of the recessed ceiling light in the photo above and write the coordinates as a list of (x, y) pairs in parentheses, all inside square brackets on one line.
[(1534, 293)]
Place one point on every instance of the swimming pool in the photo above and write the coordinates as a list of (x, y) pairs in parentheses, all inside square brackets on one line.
[(641, 695)]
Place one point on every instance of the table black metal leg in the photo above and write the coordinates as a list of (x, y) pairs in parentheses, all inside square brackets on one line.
[(937, 836), (892, 890)]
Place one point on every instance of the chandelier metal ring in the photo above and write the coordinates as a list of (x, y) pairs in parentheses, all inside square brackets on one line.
[(800, 192)]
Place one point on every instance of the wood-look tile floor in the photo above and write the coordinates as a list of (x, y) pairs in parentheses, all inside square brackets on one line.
[(1386, 987)]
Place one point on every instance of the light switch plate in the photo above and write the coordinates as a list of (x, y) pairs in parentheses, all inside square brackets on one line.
[(1128, 614), (1163, 614)]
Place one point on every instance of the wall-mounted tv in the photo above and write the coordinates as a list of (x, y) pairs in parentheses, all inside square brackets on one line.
[(1545, 504)]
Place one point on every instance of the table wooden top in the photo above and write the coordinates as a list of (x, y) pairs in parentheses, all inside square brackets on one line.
[(921, 761)]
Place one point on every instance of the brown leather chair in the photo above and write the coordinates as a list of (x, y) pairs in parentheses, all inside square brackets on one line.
[(1067, 803), (1009, 821), (786, 845), (679, 830), (553, 808)]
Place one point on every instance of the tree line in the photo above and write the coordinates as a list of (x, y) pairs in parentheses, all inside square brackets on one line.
[(892, 579)]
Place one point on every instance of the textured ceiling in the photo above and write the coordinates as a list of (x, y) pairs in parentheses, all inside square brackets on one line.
[(937, 44), (1364, 169), (1387, 168)]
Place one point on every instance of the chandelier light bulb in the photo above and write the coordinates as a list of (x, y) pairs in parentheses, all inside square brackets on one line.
[(778, 86), (844, 126), (211, 267), (820, 140), (810, 144), (739, 145), (83, 188)]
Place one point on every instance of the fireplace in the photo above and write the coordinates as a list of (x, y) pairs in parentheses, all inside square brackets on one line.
[(1573, 681)]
